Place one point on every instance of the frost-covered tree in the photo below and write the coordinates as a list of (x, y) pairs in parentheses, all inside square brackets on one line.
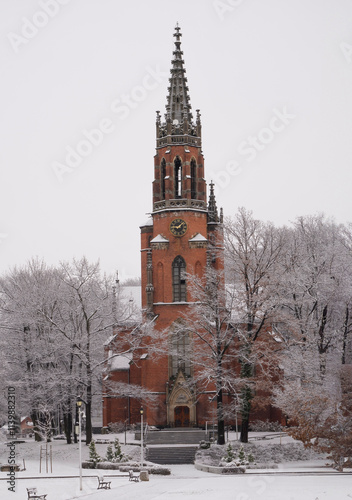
[(207, 324), (30, 344), (58, 319), (84, 318), (316, 296), (315, 292), (254, 252)]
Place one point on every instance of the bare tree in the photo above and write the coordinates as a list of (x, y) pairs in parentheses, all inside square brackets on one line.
[(30, 344), (207, 324), (254, 251), (84, 318), (316, 293), (316, 297)]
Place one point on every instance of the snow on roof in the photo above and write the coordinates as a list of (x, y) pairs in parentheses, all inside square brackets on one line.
[(198, 237), (121, 362), (159, 239), (148, 222), (24, 418)]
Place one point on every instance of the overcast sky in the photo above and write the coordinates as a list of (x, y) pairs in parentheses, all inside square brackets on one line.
[(272, 79)]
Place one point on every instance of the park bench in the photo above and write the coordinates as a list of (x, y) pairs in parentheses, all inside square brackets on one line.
[(102, 441), (102, 484), (133, 477), (33, 495)]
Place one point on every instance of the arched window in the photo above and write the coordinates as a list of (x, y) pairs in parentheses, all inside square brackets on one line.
[(180, 353), (179, 279), (193, 179), (163, 175), (178, 177)]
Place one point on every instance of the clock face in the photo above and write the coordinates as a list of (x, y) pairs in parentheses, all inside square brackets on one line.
[(178, 227)]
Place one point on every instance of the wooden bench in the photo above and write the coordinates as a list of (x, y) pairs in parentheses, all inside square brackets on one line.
[(33, 495), (133, 477), (102, 484)]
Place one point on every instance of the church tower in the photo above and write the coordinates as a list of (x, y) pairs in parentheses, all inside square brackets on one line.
[(182, 237), (179, 238)]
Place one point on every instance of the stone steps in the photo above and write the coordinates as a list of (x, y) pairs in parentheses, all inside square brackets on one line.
[(191, 436), (171, 455)]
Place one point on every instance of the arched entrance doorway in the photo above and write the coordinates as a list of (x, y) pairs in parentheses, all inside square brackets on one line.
[(181, 405), (181, 416)]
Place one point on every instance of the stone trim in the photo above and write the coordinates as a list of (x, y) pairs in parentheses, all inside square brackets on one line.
[(180, 204)]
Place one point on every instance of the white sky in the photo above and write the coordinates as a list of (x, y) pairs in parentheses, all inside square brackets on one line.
[(246, 63)]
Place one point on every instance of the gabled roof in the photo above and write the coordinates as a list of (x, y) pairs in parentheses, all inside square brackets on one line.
[(198, 237), (159, 239)]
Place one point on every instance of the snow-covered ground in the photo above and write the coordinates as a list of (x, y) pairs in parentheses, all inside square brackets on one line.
[(184, 482)]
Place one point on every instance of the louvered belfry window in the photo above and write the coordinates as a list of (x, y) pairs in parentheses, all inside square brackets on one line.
[(193, 179), (163, 175), (178, 178)]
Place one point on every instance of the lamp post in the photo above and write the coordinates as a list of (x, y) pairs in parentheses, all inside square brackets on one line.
[(79, 404), (141, 412)]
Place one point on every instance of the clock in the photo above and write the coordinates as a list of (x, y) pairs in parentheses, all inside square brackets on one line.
[(178, 227)]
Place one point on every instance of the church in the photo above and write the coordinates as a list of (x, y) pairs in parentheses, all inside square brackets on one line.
[(183, 236)]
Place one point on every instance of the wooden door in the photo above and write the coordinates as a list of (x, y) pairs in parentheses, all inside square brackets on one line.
[(182, 416)]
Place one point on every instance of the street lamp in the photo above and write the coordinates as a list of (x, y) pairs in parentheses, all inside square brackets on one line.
[(141, 412), (79, 404)]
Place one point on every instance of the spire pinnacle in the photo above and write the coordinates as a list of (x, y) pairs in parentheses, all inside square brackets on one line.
[(212, 208), (178, 117)]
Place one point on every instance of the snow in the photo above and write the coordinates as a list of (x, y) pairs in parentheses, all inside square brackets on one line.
[(184, 482), (159, 239), (148, 222), (121, 362), (198, 237)]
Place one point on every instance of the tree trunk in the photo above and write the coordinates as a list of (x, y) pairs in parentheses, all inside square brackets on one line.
[(221, 423), (37, 435), (244, 431), (246, 373), (89, 433), (246, 408), (68, 426)]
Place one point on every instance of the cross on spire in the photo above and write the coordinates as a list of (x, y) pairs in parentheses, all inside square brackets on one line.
[(178, 104)]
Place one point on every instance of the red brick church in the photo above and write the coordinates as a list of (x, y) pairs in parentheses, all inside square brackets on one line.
[(179, 238)]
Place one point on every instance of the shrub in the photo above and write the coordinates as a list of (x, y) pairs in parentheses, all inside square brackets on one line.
[(230, 455), (109, 454), (242, 459), (204, 445), (93, 454)]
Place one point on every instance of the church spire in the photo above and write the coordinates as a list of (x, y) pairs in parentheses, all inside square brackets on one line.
[(178, 106), (178, 117)]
